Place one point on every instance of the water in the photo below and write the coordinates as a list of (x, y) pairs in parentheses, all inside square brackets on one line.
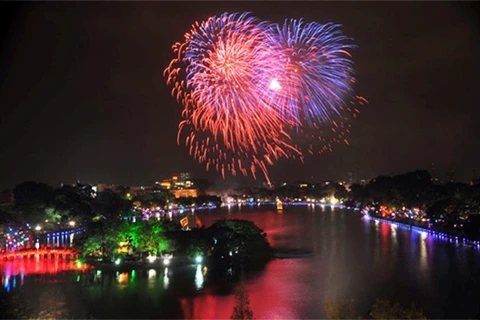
[(352, 257)]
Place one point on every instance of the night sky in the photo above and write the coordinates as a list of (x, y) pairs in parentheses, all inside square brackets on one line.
[(82, 92)]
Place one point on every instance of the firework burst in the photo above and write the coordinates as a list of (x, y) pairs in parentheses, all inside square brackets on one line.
[(252, 90), (317, 74)]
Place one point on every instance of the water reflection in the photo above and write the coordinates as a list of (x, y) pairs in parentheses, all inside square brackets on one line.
[(199, 277), (423, 252), (166, 280), (351, 257)]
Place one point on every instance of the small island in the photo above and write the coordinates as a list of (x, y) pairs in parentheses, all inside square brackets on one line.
[(225, 246)]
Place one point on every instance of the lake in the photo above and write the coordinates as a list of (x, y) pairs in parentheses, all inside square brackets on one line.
[(351, 257)]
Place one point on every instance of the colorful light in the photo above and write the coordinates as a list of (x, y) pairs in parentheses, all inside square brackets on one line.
[(253, 92)]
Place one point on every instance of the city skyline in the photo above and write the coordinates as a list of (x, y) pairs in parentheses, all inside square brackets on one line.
[(93, 102)]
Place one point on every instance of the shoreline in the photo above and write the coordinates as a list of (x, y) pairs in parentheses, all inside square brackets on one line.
[(460, 240)]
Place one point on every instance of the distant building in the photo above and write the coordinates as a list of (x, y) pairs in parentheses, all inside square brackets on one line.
[(164, 184), (181, 181), (179, 193)]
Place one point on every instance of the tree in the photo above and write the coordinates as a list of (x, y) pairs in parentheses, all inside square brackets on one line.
[(31, 199), (472, 227), (241, 310), (110, 205), (241, 240), (73, 202)]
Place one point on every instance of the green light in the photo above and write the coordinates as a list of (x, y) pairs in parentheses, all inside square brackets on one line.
[(133, 276), (78, 278)]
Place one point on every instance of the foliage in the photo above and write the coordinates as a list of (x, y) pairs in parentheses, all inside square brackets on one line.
[(111, 205), (189, 244), (142, 236), (241, 239), (159, 198), (31, 199)]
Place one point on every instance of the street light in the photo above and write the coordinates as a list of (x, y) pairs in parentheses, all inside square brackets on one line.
[(38, 228)]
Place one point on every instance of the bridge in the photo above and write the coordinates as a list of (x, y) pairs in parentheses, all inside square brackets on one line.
[(56, 254)]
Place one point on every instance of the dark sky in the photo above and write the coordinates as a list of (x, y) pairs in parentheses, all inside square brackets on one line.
[(82, 91)]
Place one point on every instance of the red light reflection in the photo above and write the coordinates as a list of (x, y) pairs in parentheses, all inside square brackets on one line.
[(272, 297), (40, 266)]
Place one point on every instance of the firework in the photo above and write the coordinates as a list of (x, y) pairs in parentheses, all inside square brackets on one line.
[(226, 63), (254, 92), (317, 75), (222, 75)]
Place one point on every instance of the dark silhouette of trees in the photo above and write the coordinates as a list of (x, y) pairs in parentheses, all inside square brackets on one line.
[(239, 242), (31, 199)]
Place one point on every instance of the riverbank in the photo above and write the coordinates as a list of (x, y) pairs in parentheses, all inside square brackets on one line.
[(457, 239)]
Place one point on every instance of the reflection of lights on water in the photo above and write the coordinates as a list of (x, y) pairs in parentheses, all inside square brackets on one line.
[(199, 277), (71, 239), (122, 277), (394, 232), (152, 274), (6, 283), (98, 275), (198, 259), (78, 278), (165, 278), (423, 251)]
